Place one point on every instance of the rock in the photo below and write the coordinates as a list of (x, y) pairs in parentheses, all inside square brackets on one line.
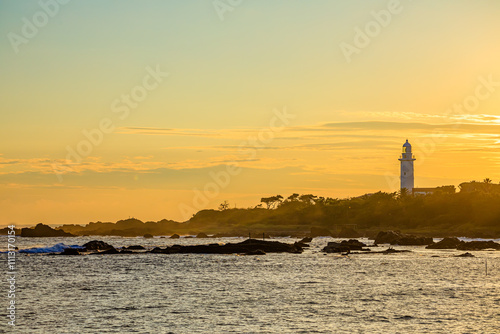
[(412, 240), (201, 235), (70, 251), (244, 247), (454, 243), (320, 232), (398, 238), (336, 247), (392, 251), (174, 236), (148, 236), (156, 250), (97, 245), (387, 237), (465, 255), (43, 231), (346, 246), (478, 245), (135, 247), (349, 233), (306, 240), (353, 244), (256, 252), (109, 251), (389, 250), (446, 243)]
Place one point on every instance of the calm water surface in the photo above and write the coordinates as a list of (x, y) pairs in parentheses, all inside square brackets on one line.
[(276, 293)]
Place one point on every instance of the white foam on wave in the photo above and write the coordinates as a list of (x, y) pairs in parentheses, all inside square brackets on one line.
[(57, 248)]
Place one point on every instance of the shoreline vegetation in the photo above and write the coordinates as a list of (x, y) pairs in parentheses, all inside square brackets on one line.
[(472, 212)]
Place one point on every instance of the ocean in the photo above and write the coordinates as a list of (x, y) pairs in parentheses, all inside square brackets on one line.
[(423, 291)]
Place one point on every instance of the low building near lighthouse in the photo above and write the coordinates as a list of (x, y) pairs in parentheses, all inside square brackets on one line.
[(440, 190)]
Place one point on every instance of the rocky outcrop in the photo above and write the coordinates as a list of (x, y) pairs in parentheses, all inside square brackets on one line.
[(306, 240), (202, 235), (135, 247), (454, 243), (398, 238), (389, 251), (96, 245), (346, 246), (70, 251), (478, 245), (446, 243), (465, 255), (387, 237), (148, 236), (175, 236), (244, 247), (110, 251), (43, 231)]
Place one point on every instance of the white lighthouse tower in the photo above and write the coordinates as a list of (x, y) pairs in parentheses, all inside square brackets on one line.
[(407, 175)]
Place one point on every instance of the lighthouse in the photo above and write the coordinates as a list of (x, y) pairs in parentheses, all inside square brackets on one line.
[(407, 175)]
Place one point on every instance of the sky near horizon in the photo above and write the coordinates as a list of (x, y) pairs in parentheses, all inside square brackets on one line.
[(157, 109)]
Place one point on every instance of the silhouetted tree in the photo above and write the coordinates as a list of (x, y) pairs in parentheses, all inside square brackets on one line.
[(224, 206), (272, 201), (307, 199)]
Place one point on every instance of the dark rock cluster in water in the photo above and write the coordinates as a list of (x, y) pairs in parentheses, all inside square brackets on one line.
[(346, 246), (455, 243), (246, 247), (97, 245), (70, 251), (402, 239), (465, 255)]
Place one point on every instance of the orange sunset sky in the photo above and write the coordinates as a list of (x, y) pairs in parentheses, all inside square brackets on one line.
[(158, 109)]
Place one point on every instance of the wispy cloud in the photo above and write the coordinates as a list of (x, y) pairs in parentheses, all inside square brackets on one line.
[(168, 132)]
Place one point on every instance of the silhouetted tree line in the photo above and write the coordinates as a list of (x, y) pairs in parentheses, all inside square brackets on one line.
[(474, 211)]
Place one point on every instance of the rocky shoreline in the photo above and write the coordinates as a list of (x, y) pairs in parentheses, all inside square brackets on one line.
[(247, 247), (262, 247)]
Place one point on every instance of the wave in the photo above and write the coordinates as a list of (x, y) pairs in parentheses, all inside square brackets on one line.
[(57, 248)]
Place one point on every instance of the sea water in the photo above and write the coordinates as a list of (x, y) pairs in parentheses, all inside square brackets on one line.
[(423, 291)]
